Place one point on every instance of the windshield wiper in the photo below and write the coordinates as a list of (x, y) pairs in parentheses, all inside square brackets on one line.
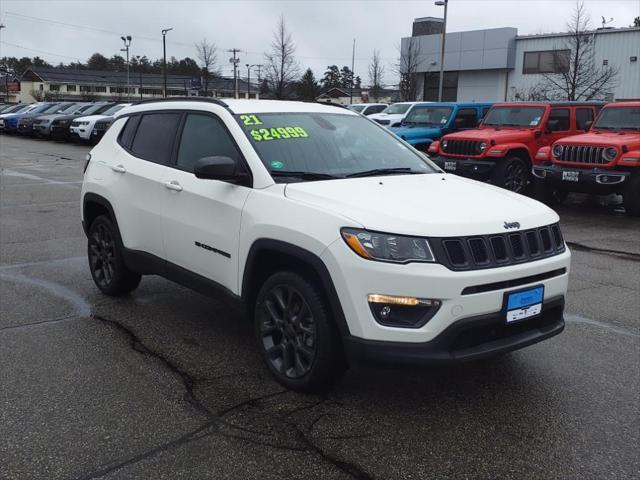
[(303, 175), (380, 171)]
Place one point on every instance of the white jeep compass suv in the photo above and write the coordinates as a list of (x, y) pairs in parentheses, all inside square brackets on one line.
[(343, 243)]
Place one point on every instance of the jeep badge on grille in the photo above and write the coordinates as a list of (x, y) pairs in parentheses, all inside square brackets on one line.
[(508, 225)]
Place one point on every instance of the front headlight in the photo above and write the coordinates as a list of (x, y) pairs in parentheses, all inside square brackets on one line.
[(84, 123), (385, 247), (482, 146), (444, 144), (610, 154), (557, 150)]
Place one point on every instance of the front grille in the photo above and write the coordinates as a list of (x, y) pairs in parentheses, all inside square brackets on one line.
[(498, 250), (75, 123), (582, 154), (102, 126), (463, 147)]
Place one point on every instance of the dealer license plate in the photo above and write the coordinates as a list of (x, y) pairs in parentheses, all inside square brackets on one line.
[(524, 303), (570, 176), (450, 166)]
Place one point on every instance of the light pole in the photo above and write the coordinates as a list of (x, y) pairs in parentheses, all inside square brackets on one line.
[(127, 44), (137, 57), (236, 62), (442, 3), (164, 60)]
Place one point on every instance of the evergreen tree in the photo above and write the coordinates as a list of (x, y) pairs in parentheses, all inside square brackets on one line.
[(308, 88)]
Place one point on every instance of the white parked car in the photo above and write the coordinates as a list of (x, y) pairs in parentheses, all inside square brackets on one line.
[(82, 127), (393, 115), (367, 108), (341, 241)]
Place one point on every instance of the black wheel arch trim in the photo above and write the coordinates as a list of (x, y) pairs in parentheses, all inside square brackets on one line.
[(90, 197), (305, 256)]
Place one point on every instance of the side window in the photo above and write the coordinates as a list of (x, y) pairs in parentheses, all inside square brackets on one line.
[(559, 120), (127, 132), (204, 136), (155, 135), (466, 118), (485, 110), (583, 115)]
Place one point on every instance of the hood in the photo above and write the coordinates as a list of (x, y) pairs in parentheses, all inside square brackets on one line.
[(50, 117), (66, 117), (604, 138), (91, 118), (392, 117), (416, 131), (438, 205), (500, 135)]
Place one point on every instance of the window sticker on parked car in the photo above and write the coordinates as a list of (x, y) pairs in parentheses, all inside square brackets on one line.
[(443, 120), (534, 121), (250, 120), (279, 133), (277, 165)]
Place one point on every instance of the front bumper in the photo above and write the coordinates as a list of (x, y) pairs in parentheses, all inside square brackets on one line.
[(59, 132), (82, 132), (466, 167), (41, 130), (585, 180), (468, 339)]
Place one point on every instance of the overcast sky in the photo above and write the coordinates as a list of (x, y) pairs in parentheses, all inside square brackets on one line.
[(323, 31)]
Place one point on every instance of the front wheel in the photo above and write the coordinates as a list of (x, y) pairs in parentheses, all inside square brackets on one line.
[(631, 195), (106, 261), (296, 334), (512, 174)]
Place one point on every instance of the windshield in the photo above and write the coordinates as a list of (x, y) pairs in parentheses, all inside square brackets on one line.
[(356, 108), (300, 145), (435, 116), (50, 109), (618, 118), (95, 109), (514, 116), (113, 109), (397, 108), (66, 108), (16, 109)]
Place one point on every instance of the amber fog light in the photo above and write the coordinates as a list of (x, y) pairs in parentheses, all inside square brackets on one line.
[(404, 312)]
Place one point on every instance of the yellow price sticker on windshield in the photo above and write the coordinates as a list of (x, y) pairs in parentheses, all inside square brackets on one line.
[(250, 120), (278, 133)]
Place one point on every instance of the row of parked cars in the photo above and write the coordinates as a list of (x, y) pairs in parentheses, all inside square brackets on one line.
[(82, 121), (547, 149)]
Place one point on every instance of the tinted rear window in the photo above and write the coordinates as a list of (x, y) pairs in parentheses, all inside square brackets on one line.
[(126, 136), (155, 135)]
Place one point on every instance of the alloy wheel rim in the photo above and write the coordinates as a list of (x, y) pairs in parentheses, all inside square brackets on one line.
[(514, 180), (102, 256), (288, 331)]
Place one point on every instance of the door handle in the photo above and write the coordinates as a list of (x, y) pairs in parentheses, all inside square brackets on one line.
[(118, 168), (173, 185)]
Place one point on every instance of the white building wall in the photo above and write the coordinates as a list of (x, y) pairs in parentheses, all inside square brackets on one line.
[(616, 46), (482, 85)]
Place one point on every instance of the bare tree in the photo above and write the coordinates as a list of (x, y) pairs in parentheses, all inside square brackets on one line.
[(281, 66), (578, 77), (208, 55), (407, 68), (376, 72)]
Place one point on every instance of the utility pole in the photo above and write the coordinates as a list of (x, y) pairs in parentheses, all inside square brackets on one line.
[(164, 59), (353, 58), (442, 3), (6, 76), (137, 57), (235, 62), (259, 68), (127, 44)]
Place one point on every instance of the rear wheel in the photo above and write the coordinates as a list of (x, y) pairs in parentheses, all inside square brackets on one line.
[(631, 195), (511, 174), (549, 193), (296, 334), (106, 260)]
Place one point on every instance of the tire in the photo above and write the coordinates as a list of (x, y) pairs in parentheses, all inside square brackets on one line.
[(511, 174), (548, 193), (296, 334), (106, 261), (631, 195)]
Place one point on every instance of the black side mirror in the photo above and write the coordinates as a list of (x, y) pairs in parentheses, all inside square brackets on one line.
[(216, 168), (552, 125), (587, 125)]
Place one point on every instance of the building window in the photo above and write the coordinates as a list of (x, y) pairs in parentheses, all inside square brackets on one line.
[(117, 89), (100, 89), (71, 88), (176, 93), (151, 91), (54, 88), (85, 88), (449, 86), (550, 61)]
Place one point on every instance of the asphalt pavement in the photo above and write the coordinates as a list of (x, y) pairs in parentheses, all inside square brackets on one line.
[(167, 384)]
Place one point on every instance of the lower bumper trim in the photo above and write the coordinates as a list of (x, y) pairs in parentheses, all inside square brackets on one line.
[(467, 339)]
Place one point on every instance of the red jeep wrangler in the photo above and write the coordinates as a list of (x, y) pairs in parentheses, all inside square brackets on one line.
[(503, 148), (605, 160)]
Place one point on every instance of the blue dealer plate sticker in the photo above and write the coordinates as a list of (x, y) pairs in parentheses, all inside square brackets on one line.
[(524, 304)]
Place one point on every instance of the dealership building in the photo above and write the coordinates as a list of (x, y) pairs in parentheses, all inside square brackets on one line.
[(499, 65), (67, 84)]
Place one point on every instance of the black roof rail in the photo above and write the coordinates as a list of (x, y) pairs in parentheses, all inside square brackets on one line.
[(182, 99)]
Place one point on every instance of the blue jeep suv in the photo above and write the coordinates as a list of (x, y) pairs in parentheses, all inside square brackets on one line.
[(429, 121)]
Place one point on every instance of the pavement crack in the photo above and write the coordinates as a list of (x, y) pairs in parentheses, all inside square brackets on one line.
[(605, 251)]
